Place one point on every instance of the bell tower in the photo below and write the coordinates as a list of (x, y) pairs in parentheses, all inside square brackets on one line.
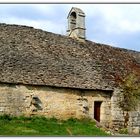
[(76, 23)]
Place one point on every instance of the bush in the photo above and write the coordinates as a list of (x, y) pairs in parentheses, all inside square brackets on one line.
[(123, 131)]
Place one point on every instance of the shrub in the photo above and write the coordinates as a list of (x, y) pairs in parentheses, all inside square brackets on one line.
[(123, 131)]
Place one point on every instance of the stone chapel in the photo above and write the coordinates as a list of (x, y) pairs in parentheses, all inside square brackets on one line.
[(43, 73)]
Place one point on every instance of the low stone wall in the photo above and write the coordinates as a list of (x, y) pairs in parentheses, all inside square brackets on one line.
[(134, 123), (61, 103)]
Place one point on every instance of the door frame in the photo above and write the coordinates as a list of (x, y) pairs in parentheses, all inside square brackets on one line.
[(95, 110)]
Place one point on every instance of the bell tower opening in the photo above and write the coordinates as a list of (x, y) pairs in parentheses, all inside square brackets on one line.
[(73, 20)]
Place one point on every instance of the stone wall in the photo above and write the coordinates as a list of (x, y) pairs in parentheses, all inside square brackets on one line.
[(61, 103), (134, 123), (64, 103), (116, 112), (118, 119)]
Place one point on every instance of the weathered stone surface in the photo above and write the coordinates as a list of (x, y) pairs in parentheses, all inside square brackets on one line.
[(36, 57), (76, 23), (134, 123), (134, 130), (116, 112), (58, 102), (118, 119)]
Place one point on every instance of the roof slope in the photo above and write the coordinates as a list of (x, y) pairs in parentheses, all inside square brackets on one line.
[(36, 57)]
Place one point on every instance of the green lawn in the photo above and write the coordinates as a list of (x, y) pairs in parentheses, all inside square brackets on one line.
[(41, 126)]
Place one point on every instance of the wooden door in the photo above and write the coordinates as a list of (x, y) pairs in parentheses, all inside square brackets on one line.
[(97, 109)]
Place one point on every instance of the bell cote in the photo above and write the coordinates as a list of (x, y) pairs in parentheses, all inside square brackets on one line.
[(76, 23)]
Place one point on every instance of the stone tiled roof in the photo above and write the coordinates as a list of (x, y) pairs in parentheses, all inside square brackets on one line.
[(36, 57)]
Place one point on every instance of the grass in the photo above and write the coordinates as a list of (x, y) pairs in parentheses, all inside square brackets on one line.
[(41, 126)]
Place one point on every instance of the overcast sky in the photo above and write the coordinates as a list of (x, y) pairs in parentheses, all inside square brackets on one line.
[(114, 24)]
